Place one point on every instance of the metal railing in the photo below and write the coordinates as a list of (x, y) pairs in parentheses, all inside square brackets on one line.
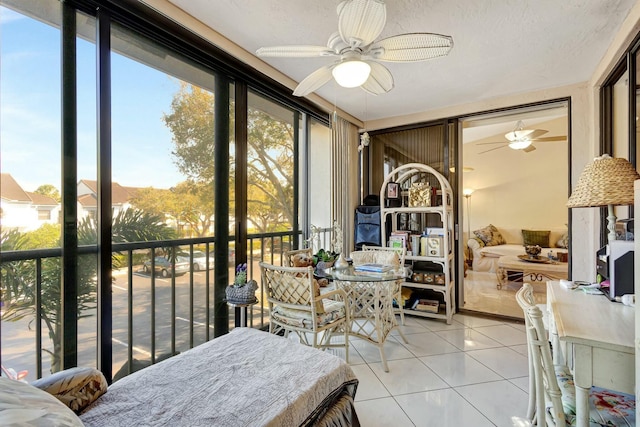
[(149, 310)]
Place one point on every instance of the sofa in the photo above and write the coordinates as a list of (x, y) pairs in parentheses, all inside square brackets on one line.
[(244, 378), (488, 244)]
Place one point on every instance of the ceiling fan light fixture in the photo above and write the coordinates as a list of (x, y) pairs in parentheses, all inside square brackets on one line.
[(520, 144), (351, 73)]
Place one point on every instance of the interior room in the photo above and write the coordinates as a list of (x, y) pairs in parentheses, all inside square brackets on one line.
[(356, 212), (513, 190)]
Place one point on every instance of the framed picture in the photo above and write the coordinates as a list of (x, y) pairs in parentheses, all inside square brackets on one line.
[(393, 190)]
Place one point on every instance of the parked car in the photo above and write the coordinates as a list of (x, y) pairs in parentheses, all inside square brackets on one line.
[(199, 260), (164, 266), (232, 257)]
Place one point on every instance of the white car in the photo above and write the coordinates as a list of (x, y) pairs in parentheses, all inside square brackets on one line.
[(199, 260)]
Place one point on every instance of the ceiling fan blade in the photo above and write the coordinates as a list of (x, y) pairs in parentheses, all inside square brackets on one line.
[(537, 133), (360, 22), (411, 47), (551, 139), (529, 149), (314, 80), (301, 51), (380, 80), (492, 149), (487, 143)]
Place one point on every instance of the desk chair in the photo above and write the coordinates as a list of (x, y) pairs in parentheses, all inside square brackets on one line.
[(295, 305), (551, 388)]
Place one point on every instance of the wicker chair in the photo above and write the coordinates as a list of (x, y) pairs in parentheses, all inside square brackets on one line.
[(551, 388), (295, 305), (387, 256), (288, 256)]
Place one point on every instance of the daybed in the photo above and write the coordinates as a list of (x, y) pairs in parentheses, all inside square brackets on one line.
[(244, 378), (486, 252)]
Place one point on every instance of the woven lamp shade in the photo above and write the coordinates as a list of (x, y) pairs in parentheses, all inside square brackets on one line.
[(605, 181)]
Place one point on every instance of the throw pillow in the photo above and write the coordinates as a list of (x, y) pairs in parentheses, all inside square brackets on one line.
[(490, 236), (22, 404), (536, 237), (75, 387), (564, 241)]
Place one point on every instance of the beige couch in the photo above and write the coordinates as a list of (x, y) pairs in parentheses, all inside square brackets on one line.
[(485, 258)]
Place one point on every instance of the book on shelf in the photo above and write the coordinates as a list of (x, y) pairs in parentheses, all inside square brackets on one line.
[(373, 268), (429, 305)]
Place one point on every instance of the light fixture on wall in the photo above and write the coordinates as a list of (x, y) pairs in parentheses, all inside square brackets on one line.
[(607, 181), (467, 192)]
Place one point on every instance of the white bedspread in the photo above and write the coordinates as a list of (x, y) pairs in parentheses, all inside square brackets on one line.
[(245, 378)]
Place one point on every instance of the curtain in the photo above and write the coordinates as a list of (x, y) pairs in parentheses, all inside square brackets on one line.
[(344, 174)]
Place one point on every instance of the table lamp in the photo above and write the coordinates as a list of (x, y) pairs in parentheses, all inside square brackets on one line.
[(607, 181)]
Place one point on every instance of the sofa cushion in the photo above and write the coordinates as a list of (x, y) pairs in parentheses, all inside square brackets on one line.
[(536, 237), (490, 235), (22, 404)]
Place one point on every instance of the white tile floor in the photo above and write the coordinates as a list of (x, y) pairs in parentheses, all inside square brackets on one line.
[(470, 373)]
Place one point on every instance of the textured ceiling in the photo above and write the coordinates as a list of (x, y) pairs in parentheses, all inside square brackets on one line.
[(501, 47)]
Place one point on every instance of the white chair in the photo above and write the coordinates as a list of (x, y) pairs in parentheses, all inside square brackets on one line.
[(295, 305), (551, 388), (386, 256)]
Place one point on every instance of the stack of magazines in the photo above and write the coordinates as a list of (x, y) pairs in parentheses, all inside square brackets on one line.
[(373, 268)]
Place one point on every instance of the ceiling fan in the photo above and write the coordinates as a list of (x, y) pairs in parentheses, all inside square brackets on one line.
[(522, 139), (356, 53)]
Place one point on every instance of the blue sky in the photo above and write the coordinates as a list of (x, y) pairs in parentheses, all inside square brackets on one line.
[(30, 111)]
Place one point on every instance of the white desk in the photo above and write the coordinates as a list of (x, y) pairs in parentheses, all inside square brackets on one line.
[(600, 337)]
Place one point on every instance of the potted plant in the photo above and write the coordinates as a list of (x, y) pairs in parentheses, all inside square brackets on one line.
[(324, 259), (241, 291)]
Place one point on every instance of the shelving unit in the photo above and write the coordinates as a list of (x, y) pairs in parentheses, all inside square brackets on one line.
[(415, 219)]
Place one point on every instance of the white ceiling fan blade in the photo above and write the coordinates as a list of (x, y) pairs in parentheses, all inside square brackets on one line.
[(360, 22), (301, 51), (529, 149), (314, 80), (380, 79), (411, 47)]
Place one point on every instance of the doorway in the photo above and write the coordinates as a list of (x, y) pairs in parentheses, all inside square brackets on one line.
[(515, 187)]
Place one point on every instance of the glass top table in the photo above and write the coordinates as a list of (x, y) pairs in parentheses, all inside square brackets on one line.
[(370, 297)]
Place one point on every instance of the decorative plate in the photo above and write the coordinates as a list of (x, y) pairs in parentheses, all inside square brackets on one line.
[(539, 259)]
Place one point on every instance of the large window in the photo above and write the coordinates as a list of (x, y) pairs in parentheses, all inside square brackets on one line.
[(131, 206), (30, 162)]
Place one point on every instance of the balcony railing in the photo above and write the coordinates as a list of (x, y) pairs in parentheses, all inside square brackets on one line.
[(153, 315)]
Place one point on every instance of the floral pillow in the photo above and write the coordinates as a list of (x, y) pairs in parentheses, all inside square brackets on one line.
[(75, 387), (564, 241), (490, 236)]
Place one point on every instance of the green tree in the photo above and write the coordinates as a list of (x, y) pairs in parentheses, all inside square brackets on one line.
[(188, 203), (18, 278), (50, 191), (270, 156)]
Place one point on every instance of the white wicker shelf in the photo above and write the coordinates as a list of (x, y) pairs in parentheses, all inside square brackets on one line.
[(404, 176)]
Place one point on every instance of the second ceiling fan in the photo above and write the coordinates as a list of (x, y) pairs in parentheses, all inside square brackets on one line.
[(522, 139)]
